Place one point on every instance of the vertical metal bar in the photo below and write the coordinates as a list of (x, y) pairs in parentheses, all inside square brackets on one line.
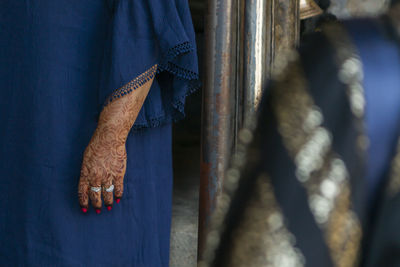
[(271, 28), (239, 105), (285, 28), (218, 105), (257, 38)]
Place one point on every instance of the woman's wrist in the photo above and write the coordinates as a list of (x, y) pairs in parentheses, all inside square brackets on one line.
[(111, 134)]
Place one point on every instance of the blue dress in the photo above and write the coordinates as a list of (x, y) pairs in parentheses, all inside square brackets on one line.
[(60, 63), (381, 57)]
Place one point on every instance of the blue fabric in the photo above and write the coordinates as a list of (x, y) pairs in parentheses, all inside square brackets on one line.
[(145, 33), (59, 61), (381, 61)]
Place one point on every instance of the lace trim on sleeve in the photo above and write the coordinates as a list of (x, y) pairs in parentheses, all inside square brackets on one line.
[(133, 85), (168, 64)]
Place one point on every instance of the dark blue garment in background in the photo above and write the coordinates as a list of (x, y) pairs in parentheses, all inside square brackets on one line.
[(59, 62), (381, 65)]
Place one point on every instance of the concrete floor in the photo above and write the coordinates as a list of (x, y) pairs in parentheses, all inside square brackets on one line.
[(185, 207)]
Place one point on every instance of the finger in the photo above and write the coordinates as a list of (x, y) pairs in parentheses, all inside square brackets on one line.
[(108, 193), (83, 193), (118, 187), (95, 197)]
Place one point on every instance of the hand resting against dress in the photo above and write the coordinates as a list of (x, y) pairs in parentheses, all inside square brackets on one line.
[(104, 161)]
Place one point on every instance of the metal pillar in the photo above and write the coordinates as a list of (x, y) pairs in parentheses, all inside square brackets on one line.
[(285, 28), (218, 113), (271, 27), (243, 40), (257, 37)]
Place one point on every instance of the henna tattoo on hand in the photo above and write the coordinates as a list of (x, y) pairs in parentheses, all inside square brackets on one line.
[(104, 160)]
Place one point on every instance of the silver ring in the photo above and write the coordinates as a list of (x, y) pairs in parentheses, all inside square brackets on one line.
[(95, 189), (110, 189)]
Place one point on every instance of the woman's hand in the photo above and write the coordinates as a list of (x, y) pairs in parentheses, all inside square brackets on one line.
[(104, 160), (103, 169)]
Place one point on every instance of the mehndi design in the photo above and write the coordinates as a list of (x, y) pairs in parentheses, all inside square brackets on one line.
[(104, 160)]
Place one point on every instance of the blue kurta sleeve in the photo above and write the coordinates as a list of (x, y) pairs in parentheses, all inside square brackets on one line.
[(143, 34)]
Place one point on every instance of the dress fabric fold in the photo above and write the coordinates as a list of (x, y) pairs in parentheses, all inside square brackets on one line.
[(135, 47), (60, 62)]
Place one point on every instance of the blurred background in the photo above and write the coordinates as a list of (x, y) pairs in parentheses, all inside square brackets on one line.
[(187, 135)]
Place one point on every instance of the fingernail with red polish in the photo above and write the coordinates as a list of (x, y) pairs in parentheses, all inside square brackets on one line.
[(109, 208), (117, 200), (84, 210), (98, 211)]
